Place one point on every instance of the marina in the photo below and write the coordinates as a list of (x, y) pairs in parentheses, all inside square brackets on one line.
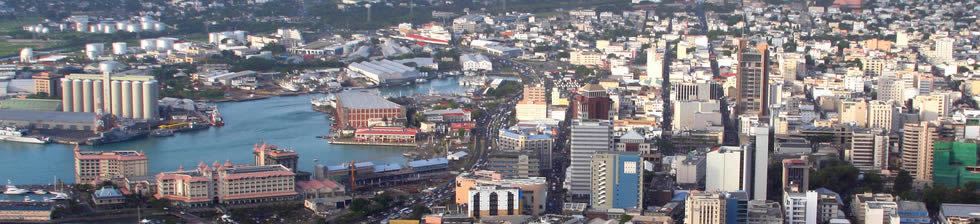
[(287, 121)]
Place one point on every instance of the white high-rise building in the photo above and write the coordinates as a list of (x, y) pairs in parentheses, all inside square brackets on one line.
[(891, 88), (587, 138), (944, 50), (655, 64), (881, 114), (869, 150), (760, 168), (800, 208), (725, 170)]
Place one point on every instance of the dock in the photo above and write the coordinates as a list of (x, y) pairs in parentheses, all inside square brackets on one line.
[(343, 142)]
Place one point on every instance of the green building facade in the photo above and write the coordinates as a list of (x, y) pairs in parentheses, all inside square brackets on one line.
[(955, 164)]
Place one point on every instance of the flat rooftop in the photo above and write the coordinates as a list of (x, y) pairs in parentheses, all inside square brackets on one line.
[(55, 116), (364, 100)]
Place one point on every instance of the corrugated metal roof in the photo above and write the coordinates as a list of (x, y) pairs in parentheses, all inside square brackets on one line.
[(27, 115), (428, 162), (30, 104), (364, 100), (387, 167)]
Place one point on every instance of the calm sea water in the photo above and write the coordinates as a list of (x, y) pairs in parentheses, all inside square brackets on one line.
[(288, 122)]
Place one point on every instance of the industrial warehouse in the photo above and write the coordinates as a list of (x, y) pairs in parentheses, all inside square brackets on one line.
[(384, 72)]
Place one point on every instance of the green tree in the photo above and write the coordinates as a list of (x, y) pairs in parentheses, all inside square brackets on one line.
[(903, 182), (625, 218), (418, 211), (275, 48)]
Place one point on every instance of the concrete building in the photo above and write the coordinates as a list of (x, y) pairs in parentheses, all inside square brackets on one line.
[(267, 155), (955, 164), (533, 190), (881, 213), (585, 58), (46, 82), (128, 96), (357, 108), (655, 64), (536, 141), (227, 184), (933, 107), (950, 213), (752, 79), (697, 115), (475, 62), (691, 170), (882, 202), (587, 138), (800, 208), (869, 150), (592, 103), (534, 93), (51, 120), (944, 50), (917, 153), (764, 212), (796, 173), (891, 88), (882, 115), (492, 200), (701, 90), (913, 212), (854, 111), (531, 110), (732, 168), (617, 181), (384, 72), (791, 66), (515, 163), (705, 208), (93, 167)]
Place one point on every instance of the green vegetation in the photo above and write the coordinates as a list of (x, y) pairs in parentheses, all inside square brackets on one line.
[(361, 208), (936, 196), (507, 89), (418, 211), (843, 178), (16, 23)]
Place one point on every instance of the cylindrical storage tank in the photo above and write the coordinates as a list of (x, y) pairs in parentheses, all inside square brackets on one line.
[(99, 27), (81, 27), (164, 44), (87, 103), (66, 95), (150, 99), (93, 29), (127, 99), (146, 19), (133, 28), (62, 27), (148, 26), (97, 96), (108, 66), (240, 35), (45, 30), (213, 37), (116, 89), (158, 26), (76, 89), (224, 35), (148, 44), (109, 29), (119, 48), (137, 100), (94, 50), (26, 55)]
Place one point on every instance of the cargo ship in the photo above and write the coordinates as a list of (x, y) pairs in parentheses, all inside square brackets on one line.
[(216, 118), (12, 134)]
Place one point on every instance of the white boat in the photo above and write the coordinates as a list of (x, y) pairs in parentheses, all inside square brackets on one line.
[(59, 196), (13, 134), (289, 86), (28, 199), (11, 189), (40, 191), (323, 101)]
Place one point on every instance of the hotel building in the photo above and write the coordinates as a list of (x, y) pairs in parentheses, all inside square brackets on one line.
[(95, 166), (227, 184)]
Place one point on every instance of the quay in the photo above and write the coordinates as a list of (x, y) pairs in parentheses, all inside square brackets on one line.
[(348, 142)]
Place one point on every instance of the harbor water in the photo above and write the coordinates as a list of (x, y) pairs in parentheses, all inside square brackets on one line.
[(288, 122)]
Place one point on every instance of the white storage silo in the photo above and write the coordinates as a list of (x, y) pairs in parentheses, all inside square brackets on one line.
[(146, 19), (119, 48), (26, 55), (121, 25), (148, 26), (99, 27), (76, 89), (225, 35), (116, 89), (213, 37), (148, 44), (137, 100), (127, 99), (165, 43), (62, 27), (133, 28), (87, 103), (240, 35), (94, 50), (81, 27), (159, 27), (45, 30), (108, 29), (93, 29), (150, 95), (109, 66), (97, 96), (182, 46), (66, 95)]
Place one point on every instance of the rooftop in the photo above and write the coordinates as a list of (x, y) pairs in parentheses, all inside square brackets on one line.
[(364, 100), (55, 116), (961, 210), (30, 104)]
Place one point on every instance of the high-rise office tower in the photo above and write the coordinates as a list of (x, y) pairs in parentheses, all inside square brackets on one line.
[(705, 208), (869, 150), (617, 180), (944, 50), (796, 173), (917, 144), (587, 138), (753, 78)]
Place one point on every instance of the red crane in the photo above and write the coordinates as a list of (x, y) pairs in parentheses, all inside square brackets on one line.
[(353, 168)]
